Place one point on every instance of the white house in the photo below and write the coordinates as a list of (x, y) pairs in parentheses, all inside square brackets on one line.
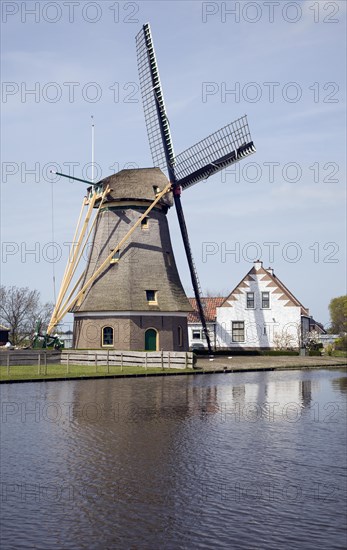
[(261, 313), (196, 336)]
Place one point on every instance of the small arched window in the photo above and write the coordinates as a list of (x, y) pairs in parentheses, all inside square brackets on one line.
[(107, 336)]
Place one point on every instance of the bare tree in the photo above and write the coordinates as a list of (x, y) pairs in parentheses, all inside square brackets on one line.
[(20, 308), (215, 294)]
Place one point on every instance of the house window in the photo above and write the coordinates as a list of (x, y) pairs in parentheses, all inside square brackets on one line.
[(107, 336), (180, 336), (151, 296), (196, 334), (238, 331), (250, 300), (144, 223), (265, 300), (115, 257)]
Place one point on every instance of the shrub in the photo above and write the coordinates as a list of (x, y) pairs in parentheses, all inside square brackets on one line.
[(341, 343), (329, 349)]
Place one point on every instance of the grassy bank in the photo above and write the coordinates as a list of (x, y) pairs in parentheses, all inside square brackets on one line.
[(34, 372), (226, 364)]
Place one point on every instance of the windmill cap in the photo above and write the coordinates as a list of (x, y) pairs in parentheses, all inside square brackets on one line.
[(140, 184)]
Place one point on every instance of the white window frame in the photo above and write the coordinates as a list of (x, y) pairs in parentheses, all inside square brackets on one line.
[(247, 306), (234, 328), (262, 300)]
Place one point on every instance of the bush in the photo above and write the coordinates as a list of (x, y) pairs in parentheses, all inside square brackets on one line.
[(314, 353), (329, 349), (341, 343)]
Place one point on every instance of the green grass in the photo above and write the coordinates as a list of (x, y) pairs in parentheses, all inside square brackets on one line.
[(339, 353), (32, 372)]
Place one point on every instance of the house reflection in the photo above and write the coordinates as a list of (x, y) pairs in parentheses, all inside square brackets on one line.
[(340, 384), (177, 399)]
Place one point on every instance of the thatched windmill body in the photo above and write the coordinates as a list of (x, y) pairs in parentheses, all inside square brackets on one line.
[(130, 295), (138, 301)]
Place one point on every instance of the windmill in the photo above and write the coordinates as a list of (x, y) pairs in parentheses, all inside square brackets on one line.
[(125, 202)]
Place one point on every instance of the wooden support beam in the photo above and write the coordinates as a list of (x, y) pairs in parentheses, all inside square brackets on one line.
[(72, 292), (75, 256), (77, 260), (55, 310)]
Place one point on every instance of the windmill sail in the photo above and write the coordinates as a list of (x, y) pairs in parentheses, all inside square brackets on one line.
[(157, 123), (222, 148), (159, 136)]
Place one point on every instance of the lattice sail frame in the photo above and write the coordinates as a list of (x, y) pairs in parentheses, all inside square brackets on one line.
[(210, 155), (207, 157), (157, 123)]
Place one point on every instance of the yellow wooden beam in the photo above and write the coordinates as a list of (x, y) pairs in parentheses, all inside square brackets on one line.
[(55, 310), (74, 254), (76, 263)]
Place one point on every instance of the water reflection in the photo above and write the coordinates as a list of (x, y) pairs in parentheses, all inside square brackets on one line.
[(213, 461), (340, 384)]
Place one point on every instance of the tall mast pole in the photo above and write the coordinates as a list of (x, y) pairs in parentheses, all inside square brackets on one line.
[(93, 143)]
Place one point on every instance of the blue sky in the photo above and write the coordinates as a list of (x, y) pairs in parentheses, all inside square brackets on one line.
[(286, 203)]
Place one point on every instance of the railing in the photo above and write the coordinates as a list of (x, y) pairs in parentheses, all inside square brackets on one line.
[(29, 357), (113, 358)]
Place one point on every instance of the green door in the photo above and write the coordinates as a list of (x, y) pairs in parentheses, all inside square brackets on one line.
[(151, 340)]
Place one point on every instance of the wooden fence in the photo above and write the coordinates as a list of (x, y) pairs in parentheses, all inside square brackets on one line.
[(29, 357), (98, 359), (151, 359)]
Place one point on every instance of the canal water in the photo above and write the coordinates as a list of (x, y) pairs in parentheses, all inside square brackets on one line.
[(222, 461)]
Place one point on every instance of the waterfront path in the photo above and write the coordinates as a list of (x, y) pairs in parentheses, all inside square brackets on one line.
[(248, 363)]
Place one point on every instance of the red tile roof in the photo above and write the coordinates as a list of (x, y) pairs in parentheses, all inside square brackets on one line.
[(209, 305)]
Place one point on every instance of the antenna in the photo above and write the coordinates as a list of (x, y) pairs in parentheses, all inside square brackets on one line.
[(93, 131)]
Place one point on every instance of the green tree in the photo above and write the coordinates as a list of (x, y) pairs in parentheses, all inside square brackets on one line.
[(20, 308), (338, 315)]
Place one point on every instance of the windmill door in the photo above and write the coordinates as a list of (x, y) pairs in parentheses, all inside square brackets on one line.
[(151, 336)]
